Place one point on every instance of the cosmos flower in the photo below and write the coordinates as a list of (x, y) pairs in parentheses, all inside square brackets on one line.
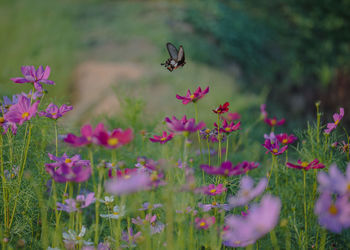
[(21, 111), (205, 222), (183, 125), (228, 127), (151, 220), (72, 238), (121, 173), (7, 103), (208, 207), (334, 181), (222, 108), (5, 124), (70, 161), (118, 212), (78, 171), (107, 200), (130, 238), (337, 118), (116, 138), (163, 138), (261, 219), (272, 122), (315, 164), (54, 112), (88, 136), (81, 201), (31, 95), (212, 189), (198, 94), (274, 148), (136, 182), (286, 139), (34, 76), (227, 169), (335, 216), (247, 191)]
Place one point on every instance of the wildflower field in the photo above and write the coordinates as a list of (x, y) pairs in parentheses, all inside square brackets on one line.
[(180, 182)]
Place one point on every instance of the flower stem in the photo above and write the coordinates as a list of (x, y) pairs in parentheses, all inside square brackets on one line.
[(3, 184), (199, 138), (305, 214), (274, 240), (208, 151), (226, 148), (323, 239), (318, 114), (219, 138)]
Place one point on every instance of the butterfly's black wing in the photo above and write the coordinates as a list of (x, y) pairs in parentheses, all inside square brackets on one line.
[(172, 51), (181, 56)]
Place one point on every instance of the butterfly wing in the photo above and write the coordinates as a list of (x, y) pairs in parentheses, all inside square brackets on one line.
[(181, 56), (172, 51)]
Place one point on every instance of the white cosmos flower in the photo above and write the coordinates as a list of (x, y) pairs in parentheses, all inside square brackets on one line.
[(118, 212), (107, 200)]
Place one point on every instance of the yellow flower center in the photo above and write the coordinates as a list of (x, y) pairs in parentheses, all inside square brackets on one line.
[(207, 131), (273, 122), (226, 172), (333, 210), (29, 95), (192, 96), (348, 186), (25, 115), (154, 176), (53, 113), (163, 139), (127, 176), (245, 193), (275, 150), (67, 160), (112, 141), (2, 119), (214, 203), (304, 164), (336, 122), (228, 129), (116, 213), (88, 138), (212, 190), (202, 224), (285, 141)]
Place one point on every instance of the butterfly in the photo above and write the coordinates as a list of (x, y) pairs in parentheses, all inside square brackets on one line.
[(177, 57)]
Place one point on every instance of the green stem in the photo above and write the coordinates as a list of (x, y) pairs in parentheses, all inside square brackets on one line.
[(3, 184), (198, 135), (185, 149), (56, 138), (305, 214), (219, 138), (323, 239), (226, 148), (208, 151), (318, 114), (274, 240)]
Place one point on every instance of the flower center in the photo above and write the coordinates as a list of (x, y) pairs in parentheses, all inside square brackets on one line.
[(25, 115), (202, 224), (2, 119), (245, 193), (275, 150), (67, 160), (192, 97), (273, 122), (348, 186), (333, 210), (285, 141), (154, 176), (304, 164), (212, 190), (214, 203), (226, 172), (54, 113), (112, 141), (228, 129), (336, 122), (78, 237), (163, 139), (116, 213), (207, 131)]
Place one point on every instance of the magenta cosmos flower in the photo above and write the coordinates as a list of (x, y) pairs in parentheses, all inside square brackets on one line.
[(22, 111), (34, 76), (88, 136), (222, 108), (198, 94), (272, 122), (204, 223), (335, 216), (261, 219), (79, 171), (227, 169), (286, 139), (228, 127), (55, 112), (213, 190), (183, 125), (274, 148), (81, 201), (247, 191), (163, 138), (70, 161), (315, 164), (116, 138), (134, 183), (336, 117), (334, 181)]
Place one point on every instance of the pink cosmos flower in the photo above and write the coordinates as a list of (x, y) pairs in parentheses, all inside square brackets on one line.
[(247, 191), (261, 219), (222, 108), (227, 169), (213, 205), (22, 111), (335, 181), (183, 125), (204, 223), (79, 171), (337, 118), (136, 182), (81, 201), (228, 127), (162, 139), (88, 136), (274, 122), (198, 94), (212, 189), (54, 112), (34, 76), (151, 220), (5, 124), (70, 161), (130, 238), (315, 164), (116, 138), (286, 139), (274, 148)]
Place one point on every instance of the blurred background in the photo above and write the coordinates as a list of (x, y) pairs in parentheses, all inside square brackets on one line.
[(105, 55)]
